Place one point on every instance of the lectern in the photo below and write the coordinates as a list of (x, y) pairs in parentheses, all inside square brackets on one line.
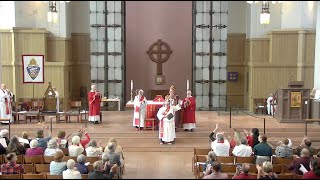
[(293, 103), (50, 100)]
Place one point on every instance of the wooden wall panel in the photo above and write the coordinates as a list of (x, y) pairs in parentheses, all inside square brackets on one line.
[(80, 47), (310, 48), (59, 49), (6, 47), (259, 50)]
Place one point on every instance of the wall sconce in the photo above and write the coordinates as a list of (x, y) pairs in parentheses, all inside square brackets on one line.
[(265, 14), (53, 13)]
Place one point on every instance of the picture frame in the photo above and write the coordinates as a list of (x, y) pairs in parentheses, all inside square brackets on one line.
[(33, 68), (295, 99), (159, 79)]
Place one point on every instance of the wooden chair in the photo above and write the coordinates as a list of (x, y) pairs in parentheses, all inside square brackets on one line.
[(200, 170), (273, 151), (199, 151), (253, 169), (28, 168), (20, 159), (2, 159), (297, 176), (74, 110), (33, 176), (225, 159), (153, 122), (285, 176), (42, 168), (240, 160), (260, 104), (93, 159), (50, 176), (197, 162), (33, 159), (278, 168), (10, 176), (36, 108), (280, 160), (48, 159), (66, 158)]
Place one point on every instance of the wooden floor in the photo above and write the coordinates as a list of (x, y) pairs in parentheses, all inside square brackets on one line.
[(146, 158)]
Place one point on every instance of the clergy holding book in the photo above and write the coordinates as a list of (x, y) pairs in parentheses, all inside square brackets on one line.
[(94, 98), (166, 116)]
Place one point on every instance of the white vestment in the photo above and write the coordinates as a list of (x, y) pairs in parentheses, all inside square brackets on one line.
[(58, 101), (168, 131), (139, 111), (4, 95), (269, 105)]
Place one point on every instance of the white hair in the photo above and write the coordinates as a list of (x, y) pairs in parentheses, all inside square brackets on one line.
[(112, 146), (4, 132), (76, 140), (70, 164), (81, 159), (105, 157), (34, 143), (52, 144)]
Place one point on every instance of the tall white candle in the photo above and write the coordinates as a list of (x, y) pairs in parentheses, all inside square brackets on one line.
[(131, 84), (187, 84)]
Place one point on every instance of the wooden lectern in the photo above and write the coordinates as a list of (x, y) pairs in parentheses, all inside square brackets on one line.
[(293, 103), (50, 100)]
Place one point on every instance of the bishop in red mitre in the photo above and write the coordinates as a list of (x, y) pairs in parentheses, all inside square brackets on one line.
[(94, 98), (189, 115)]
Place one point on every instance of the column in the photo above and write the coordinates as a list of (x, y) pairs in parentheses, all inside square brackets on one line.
[(316, 79)]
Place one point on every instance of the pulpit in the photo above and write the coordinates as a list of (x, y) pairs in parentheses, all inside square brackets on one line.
[(292, 103), (50, 100)]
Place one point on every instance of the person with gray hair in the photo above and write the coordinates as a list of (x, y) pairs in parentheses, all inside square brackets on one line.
[(265, 172), (34, 150), (284, 150), (242, 150), (76, 148), (221, 146), (97, 171), (114, 158), (242, 172), (52, 148), (140, 107), (305, 159), (4, 133), (210, 159), (93, 150), (82, 168), (71, 172)]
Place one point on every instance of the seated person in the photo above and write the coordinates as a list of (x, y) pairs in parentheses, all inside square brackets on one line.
[(243, 172), (243, 150), (284, 150), (71, 172), (221, 146), (15, 147), (34, 150), (93, 150), (52, 148), (262, 151), (57, 166), (98, 174), (214, 172), (81, 161), (305, 159), (11, 167), (114, 158), (265, 171), (306, 143), (76, 148), (42, 141), (25, 136), (314, 173), (62, 142), (210, 159), (85, 141)]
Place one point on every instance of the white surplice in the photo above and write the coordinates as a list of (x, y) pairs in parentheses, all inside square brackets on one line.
[(269, 105), (169, 133), (5, 95), (58, 101), (139, 111)]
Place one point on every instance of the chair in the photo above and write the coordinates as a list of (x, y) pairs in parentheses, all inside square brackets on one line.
[(225, 159), (28, 168), (240, 160), (198, 159), (153, 122), (20, 159), (36, 108), (199, 151), (33, 176), (280, 160), (260, 104), (297, 176), (10, 176), (51, 176), (48, 159), (42, 168), (74, 110), (93, 159), (277, 168), (285, 176), (200, 170), (253, 169), (273, 151), (33, 159)]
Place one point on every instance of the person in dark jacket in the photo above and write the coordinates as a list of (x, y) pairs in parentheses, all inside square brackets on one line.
[(97, 171), (305, 159)]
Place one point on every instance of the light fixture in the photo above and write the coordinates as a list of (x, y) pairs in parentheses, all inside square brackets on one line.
[(256, 2), (265, 14), (53, 13)]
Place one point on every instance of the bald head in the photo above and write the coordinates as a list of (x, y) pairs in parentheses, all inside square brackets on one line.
[(93, 87), (188, 93)]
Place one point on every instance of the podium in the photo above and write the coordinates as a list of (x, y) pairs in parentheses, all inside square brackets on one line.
[(292, 103)]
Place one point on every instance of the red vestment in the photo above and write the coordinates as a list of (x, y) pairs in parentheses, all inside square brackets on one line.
[(189, 115), (94, 99)]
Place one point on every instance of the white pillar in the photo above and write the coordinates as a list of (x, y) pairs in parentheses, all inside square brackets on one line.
[(298, 15), (7, 14), (316, 79)]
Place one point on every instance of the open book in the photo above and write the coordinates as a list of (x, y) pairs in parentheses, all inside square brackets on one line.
[(303, 169)]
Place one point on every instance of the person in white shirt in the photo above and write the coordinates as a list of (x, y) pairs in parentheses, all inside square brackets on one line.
[(221, 146), (269, 104), (76, 148), (93, 150), (242, 150), (52, 148), (71, 172)]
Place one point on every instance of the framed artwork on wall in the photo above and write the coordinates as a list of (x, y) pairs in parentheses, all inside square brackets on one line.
[(159, 80), (295, 99), (33, 68)]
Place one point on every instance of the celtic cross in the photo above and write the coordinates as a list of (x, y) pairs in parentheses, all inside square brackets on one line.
[(162, 51)]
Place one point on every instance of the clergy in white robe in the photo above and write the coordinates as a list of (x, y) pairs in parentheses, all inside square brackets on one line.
[(167, 132), (58, 99), (5, 103), (269, 105), (140, 104)]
